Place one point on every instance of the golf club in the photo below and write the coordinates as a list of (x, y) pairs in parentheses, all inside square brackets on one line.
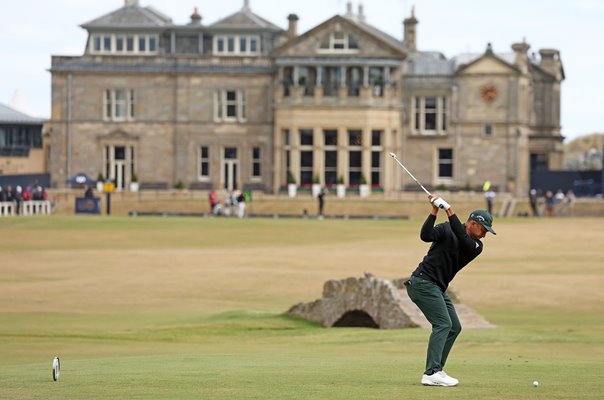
[(410, 174)]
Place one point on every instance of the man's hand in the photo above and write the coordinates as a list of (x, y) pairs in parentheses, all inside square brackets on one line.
[(440, 203)]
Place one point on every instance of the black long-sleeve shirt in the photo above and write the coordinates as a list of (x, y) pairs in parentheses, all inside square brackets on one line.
[(451, 250)]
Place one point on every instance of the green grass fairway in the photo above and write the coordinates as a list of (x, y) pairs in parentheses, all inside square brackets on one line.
[(193, 308)]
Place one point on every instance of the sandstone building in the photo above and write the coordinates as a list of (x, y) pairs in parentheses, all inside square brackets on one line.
[(242, 103)]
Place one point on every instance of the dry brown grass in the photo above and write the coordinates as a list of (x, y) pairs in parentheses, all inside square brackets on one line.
[(95, 264)]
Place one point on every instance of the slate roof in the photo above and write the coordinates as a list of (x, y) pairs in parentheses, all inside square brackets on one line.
[(435, 63), (130, 16), (244, 19), (392, 41), (9, 115)]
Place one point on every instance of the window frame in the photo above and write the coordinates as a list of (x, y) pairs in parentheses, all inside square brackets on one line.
[(445, 161), (221, 45), (420, 114), (256, 162), (111, 105), (222, 103), (102, 39), (203, 161)]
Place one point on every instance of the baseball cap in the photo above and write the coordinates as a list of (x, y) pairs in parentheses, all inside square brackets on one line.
[(483, 218)]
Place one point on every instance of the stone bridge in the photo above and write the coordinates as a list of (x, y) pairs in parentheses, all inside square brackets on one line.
[(374, 303)]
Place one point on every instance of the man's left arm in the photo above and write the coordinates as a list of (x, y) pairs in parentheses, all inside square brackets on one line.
[(467, 244)]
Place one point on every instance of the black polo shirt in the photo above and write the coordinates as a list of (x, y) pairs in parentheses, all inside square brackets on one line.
[(451, 250)]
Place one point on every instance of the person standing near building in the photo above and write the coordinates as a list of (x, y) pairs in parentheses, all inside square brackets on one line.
[(489, 196), (571, 199), (454, 245), (321, 198), (533, 201), (213, 200), (241, 205)]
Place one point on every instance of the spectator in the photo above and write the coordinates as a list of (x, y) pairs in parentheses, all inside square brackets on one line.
[(559, 201), (489, 196), (213, 200), (88, 193), (550, 202), (18, 198), (533, 202), (2, 195), (321, 198), (27, 193), (241, 205), (10, 193), (570, 202), (37, 195)]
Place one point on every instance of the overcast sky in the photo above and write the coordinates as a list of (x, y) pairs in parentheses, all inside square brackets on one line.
[(33, 30)]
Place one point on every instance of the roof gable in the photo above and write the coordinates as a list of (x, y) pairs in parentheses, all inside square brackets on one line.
[(370, 41), (244, 19), (487, 63), (130, 16)]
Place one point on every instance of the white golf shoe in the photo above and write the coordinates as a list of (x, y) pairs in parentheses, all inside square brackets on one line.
[(439, 379)]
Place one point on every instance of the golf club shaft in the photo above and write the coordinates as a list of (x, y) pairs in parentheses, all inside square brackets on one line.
[(410, 174)]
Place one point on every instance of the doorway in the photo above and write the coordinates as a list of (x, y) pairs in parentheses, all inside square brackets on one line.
[(230, 166), (119, 164)]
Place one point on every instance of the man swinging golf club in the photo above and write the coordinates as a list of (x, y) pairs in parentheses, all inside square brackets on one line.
[(454, 245)]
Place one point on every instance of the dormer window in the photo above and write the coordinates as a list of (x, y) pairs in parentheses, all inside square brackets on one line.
[(339, 41), (129, 44), (236, 45)]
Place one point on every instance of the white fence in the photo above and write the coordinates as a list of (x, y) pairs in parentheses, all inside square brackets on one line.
[(33, 207)]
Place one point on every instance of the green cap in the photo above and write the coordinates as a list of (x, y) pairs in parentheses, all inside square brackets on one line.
[(483, 218)]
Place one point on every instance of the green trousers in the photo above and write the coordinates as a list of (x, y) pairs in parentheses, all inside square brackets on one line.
[(439, 311)]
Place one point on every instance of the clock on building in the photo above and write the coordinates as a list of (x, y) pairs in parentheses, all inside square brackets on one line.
[(488, 93)]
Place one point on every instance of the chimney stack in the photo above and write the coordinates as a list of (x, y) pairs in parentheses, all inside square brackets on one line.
[(349, 13), (550, 61), (292, 30), (521, 51), (409, 37), (361, 15), (195, 17)]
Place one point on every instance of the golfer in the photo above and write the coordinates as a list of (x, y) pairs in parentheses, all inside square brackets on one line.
[(454, 245)]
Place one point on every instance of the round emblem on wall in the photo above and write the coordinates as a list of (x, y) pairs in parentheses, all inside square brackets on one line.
[(488, 93)]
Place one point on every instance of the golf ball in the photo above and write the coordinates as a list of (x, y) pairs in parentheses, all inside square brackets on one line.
[(535, 383)]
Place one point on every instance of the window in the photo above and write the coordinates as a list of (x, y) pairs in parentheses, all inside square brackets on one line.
[(96, 44), (119, 104), (306, 156), (16, 140), (332, 77), (256, 163), (230, 106), (119, 44), (355, 157), (488, 130), (331, 156), (339, 41), (445, 163), (539, 162), (376, 157), (107, 43), (429, 115), (236, 45), (287, 150), (204, 162), (110, 43)]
